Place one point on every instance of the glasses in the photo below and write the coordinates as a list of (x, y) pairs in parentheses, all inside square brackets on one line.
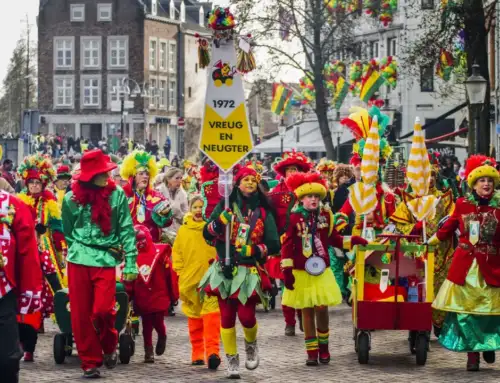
[(34, 182)]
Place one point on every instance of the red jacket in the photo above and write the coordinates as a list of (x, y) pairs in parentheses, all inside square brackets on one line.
[(282, 200), (292, 243), (486, 251), (21, 264)]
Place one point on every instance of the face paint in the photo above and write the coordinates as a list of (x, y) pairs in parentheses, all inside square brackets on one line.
[(310, 202), (248, 185), (196, 210)]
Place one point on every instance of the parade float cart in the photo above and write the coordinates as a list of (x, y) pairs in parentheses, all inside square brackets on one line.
[(396, 310), (63, 341)]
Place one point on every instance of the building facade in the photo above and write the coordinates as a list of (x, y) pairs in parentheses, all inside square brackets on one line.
[(92, 54)]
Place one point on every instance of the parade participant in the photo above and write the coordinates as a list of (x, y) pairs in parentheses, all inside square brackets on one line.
[(191, 258), (406, 224), (172, 190), (309, 282), (21, 279), (147, 206), (150, 292), (241, 285), (209, 189), (60, 185), (189, 179), (283, 200), (326, 168), (100, 234), (471, 292)]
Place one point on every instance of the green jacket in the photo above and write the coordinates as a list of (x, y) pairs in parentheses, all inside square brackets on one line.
[(87, 245)]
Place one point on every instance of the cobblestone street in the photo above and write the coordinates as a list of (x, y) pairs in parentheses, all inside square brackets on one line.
[(282, 359)]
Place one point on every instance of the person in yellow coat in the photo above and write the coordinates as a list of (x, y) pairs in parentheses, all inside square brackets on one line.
[(191, 258)]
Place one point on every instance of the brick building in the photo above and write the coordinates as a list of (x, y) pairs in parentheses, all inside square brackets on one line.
[(89, 49)]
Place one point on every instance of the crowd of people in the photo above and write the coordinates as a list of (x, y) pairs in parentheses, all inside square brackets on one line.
[(159, 231)]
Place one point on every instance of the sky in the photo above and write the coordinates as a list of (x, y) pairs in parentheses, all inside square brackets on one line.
[(12, 25)]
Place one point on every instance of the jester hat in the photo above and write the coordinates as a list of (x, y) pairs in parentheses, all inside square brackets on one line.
[(359, 123), (37, 167), (138, 161), (478, 166), (293, 158), (304, 184)]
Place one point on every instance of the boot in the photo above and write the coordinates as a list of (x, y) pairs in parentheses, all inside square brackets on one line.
[(324, 354), (233, 366), (161, 344), (290, 330), (252, 360), (213, 362), (149, 355), (28, 357), (110, 360), (472, 361), (312, 357), (198, 362), (488, 356)]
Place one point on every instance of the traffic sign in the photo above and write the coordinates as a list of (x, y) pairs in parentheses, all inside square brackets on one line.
[(225, 136), (180, 121)]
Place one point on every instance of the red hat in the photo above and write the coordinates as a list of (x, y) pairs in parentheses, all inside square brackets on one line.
[(63, 171), (307, 183), (243, 172), (355, 160), (478, 166), (293, 158), (94, 162)]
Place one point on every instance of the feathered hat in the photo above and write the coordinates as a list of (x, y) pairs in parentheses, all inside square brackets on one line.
[(325, 166), (359, 123), (257, 165), (478, 166), (307, 183), (293, 158), (138, 161), (162, 163), (434, 161), (208, 172), (37, 167)]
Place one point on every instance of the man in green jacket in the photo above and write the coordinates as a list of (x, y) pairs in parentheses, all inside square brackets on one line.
[(100, 235)]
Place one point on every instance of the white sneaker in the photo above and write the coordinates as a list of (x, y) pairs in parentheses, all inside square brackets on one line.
[(233, 366), (253, 360)]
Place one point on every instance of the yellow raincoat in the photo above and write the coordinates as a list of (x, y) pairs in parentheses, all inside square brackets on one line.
[(191, 255)]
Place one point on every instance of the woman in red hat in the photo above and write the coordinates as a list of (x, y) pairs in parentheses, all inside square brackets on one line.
[(470, 295), (100, 234), (37, 172), (240, 285), (60, 185)]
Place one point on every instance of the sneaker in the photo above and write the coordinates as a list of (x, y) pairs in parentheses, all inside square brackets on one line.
[(110, 360), (91, 373), (252, 361), (488, 356), (149, 355), (213, 362), (233, 366), (28, 357), (198, 362), (290, 330), (472, 361), (161, 344)]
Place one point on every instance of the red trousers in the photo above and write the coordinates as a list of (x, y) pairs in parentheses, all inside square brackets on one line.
[(92, 300), (289, 314), (230, 307), (153, 321)]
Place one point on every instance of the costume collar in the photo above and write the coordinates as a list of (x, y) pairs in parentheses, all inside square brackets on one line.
[(493, 201)]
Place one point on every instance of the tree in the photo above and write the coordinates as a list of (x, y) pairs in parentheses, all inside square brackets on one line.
[(312, 35), (19, 87), (472, 20)]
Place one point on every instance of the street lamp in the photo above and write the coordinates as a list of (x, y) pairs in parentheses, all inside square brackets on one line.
[(282, 133), (337, 132), (476, 86)]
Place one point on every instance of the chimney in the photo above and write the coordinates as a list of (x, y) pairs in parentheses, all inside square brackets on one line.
[(183, 12), (202, 16), (154, 7), (172, 9)]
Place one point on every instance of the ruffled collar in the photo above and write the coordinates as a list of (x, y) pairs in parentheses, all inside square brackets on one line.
[(492, 201)]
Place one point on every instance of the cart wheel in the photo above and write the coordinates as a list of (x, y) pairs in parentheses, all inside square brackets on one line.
[(363, 347), (421, 347), (69, 345), (125, 348), (59, 348), (412, 340)]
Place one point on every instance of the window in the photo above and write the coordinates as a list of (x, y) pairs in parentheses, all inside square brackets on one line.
[(90, 53), (115, 81), (64, 52), (104, 12), (172, 95), (153, 93), (427, 4), (196, 68), (77, 12), (427, 78), (153, 53), (172, 57), (189, 92), (118, 52), (91, 91), (373, 52), (163, 55), (162, 92), (154, 7), (392, 47), (63, 92)]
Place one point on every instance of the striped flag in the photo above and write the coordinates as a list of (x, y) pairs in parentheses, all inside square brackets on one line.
[(281, 95), (371, 84), (341, 90)]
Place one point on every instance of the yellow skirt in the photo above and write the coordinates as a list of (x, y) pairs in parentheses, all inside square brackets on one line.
[(311, 291), (474, 297)]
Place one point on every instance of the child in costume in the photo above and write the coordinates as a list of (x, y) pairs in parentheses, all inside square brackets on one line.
[(150, 291), (60, 185), (240, 285), (191, 258), (100, 235), (309, 282)]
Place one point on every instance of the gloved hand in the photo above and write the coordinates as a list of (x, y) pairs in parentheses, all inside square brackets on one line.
[(225, 217), (433, 241), (289, 278), (228, 271), (356, 240), (129, 277)]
